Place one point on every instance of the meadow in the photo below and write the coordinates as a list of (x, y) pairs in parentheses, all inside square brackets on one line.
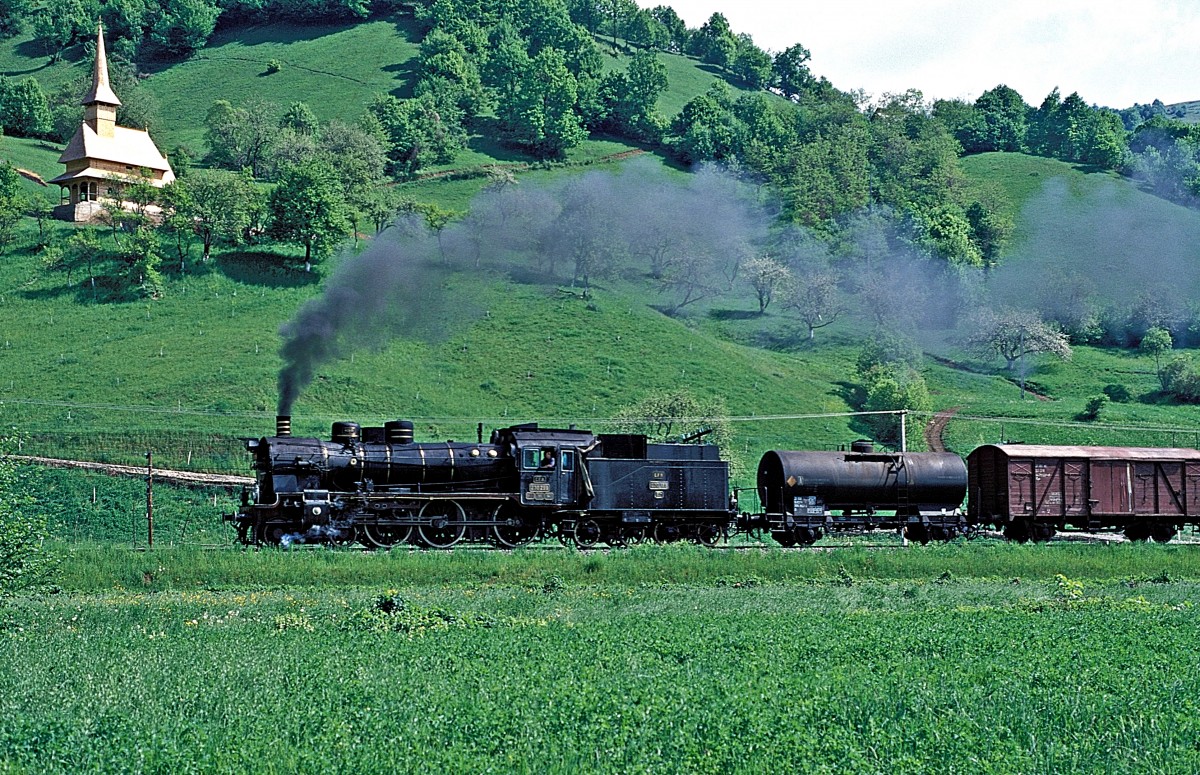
[(982, 658)]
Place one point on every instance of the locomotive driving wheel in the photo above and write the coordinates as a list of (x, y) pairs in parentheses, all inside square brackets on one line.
[(446, 524), (513, 529), (385, 536), (587, 533)]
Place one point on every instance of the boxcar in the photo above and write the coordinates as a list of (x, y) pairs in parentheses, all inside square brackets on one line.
[(1032, 491)]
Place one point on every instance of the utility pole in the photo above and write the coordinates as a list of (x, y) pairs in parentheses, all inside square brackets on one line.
[(150, 499)]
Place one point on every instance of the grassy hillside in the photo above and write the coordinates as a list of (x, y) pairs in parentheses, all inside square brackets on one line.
[(189, 373)]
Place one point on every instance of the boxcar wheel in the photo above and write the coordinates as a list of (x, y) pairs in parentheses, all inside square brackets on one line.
[(1163, 533)]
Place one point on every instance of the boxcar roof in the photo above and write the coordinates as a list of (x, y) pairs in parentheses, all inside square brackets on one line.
[(1092, 453)]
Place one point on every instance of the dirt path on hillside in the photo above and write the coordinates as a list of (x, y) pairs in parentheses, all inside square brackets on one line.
[(936, 427), (186, 478), (963, 367)]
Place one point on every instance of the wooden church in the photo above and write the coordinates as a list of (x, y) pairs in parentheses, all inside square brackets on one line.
[(102, 158)]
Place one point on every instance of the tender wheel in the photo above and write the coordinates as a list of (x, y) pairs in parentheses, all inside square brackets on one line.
[(665, 534), (587, 533), (510, 536), (446, 524), (708, 535), (385, 536), (633, 536)]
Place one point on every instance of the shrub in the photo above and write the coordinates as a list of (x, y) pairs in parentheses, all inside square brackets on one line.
[(1092, 410), (24, 561), (1118, 393), (274, 66)]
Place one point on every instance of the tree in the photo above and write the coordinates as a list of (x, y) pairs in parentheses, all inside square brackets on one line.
[(12, 16), (1012, 334), (141, 255), (58, 24), (449, 74), (184, 26), (714, 43), (80, 251), (12, 203), (890, 390), (24, 109), (300, 118), (1157, 342), (307, 208), (1004, 117), (815, 298), (677, 31), (705, 130), (635, 111), (417, 132), (541, 114), (766, 276), (240, 137), (792, 76), (672, 415), (358, 160), (218, 204), (751, 65), (40, 209)]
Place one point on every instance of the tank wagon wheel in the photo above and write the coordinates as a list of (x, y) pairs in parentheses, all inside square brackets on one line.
[(708, 535), (915, 531), (1162, 533), (806, 536), (445, 527), (385, 536), (785, 538), (510, 536), (587, 533)]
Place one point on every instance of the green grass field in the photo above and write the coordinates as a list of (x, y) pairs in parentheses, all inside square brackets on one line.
[(941, 659)]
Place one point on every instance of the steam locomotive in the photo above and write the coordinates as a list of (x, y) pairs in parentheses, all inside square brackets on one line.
[(379, 487)]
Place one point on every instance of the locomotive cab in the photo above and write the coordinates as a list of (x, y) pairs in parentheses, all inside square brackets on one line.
[(551, 474)]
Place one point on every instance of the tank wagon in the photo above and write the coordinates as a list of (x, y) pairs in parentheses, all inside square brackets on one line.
[(1033, 491), (807, 493)]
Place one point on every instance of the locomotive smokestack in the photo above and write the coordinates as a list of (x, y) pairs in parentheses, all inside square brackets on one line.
[(283, 425)]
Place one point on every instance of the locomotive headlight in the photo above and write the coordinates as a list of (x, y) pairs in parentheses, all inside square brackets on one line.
[(316, 511), (492, 453), (474, 453)]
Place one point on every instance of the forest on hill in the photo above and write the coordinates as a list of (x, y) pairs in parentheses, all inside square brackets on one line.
[(819, 201)]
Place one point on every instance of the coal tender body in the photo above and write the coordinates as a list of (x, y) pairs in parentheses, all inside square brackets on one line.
[(379, 487), (805, 494)]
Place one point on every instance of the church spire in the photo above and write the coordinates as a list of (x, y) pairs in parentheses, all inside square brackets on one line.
[(100, 92)]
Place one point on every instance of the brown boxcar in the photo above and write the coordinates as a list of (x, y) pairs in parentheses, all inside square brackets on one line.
[(1031, 491)]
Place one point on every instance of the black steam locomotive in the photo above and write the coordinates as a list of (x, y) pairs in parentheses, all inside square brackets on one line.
[(379, 487)]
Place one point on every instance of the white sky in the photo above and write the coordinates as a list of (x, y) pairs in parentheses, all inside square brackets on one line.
[(1112, 53)]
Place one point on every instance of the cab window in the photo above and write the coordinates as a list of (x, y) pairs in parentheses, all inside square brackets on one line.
[(530, 457), (568, 461)]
